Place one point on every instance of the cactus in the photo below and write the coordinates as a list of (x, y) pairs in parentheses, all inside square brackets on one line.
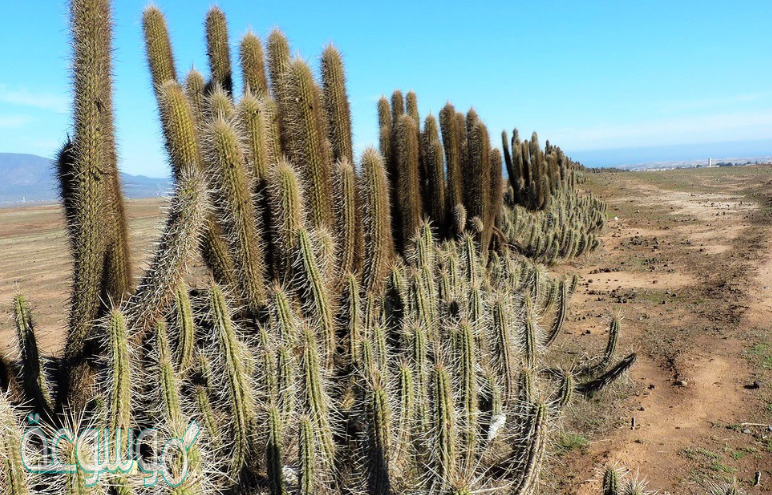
[(274, 454), (92, 154), (316, 401), (33, 376), (235, 202), (253, 65), (316, 298), (532, 452), (218, 50), (307, 150), (240, 398), (348, 225), (13, 476), (438, 384), (278, 61), (160, 57), (178, 243), (435, 167), (376, 220), (397, 106), (186, 337), (119, 374), (336, 105), (444, 463), (408, 179), (287, 213), (195, 87), (563, 296), (378, 413)]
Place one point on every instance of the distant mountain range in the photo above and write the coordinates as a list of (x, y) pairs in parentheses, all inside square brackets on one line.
[(25, 178)]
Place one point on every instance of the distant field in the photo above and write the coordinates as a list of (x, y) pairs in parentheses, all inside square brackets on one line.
[(35, 260)]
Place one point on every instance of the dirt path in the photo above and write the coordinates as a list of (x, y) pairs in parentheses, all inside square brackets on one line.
[(689, 268)]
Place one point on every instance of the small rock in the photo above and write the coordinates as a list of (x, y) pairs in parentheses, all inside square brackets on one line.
[(753, 386), (642, 408), (652, 386), (681, 383), (746, 431)]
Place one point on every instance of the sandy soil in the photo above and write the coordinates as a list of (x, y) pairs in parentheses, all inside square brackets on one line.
[(693, 254), (35, 260)]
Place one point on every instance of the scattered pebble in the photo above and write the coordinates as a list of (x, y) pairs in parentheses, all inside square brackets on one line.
[(681, 383)]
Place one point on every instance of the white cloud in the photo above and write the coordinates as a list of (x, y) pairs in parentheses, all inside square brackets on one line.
[(45, 101), (14, 121)]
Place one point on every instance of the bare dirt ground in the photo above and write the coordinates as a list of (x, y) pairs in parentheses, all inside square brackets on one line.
[(35, 261), (688, 263)]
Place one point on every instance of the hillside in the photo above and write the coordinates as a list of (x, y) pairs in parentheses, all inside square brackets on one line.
[(25, 178)]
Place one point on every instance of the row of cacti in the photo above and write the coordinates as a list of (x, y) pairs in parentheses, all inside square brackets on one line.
[(344, 345), (567, 228), (536, 175)]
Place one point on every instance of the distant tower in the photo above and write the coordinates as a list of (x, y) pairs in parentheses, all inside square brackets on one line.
[(710, 162)]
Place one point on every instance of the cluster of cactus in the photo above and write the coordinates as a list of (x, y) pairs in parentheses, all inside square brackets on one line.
[(345, 344), (429, 171), (566, 229), (535, 174)]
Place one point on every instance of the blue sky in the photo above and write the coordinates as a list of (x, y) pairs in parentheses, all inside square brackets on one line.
[(590, 75)]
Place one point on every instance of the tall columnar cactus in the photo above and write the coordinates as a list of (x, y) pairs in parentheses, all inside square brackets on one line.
[(218, 50), (179, 242), (160, 57), (376, 220), (307, 149), (397, 106), (13, 475), (411, 107), (444, 462), (434, 166), (234, 199), (33, 377), (253, 65), (316, 297), (89, 181), (195, 87), (440, 364), (278, 62), (348, 225), (406, 158), (118, 377), (452, 146), (239, 391), (287, 214), (477, 199), (336, 105)]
